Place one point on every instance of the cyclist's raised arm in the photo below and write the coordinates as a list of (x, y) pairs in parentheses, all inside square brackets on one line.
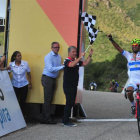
[(115, 44)]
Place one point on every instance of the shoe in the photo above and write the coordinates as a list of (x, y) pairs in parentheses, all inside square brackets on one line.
[(48, 122), (133, 109), (70, 124)]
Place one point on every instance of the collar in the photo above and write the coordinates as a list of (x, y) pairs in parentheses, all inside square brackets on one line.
[(53, 53), (70, 58), (14, 64), (138, 53)]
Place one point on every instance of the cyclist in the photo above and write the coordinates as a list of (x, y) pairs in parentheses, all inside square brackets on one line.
[(93, 85), (133, 67), (114, 86)]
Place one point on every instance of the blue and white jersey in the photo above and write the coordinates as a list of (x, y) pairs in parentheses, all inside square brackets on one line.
[(133, 67)]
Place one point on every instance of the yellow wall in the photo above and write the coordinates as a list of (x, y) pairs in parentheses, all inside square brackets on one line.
[(31, 33)]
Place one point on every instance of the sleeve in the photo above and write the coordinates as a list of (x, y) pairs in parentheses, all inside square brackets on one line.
[(67, 62), (27, 67), (49, 65), (126, 54)]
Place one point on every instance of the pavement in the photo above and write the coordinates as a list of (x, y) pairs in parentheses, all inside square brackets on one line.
[(98, 105), (106, 105)]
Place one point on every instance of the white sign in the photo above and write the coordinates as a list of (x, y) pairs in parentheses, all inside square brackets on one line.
[(11, 118), (3, 8)]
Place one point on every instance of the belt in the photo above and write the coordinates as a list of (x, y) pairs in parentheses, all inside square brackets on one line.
[(48, 76)]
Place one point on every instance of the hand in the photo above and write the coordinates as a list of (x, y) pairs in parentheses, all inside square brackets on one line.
[(29, 85), (63, 66), (110, 37), (82, 54), (8, 68)]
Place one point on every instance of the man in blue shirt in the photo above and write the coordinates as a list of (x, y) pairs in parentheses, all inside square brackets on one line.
[(50, 73)]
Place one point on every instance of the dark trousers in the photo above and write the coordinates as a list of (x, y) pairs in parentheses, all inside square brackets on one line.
[(70, 93), (21, 94), (48, 84)]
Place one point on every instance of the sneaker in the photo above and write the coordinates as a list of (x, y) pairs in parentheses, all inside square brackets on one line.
[(70, 124), (133, 109)]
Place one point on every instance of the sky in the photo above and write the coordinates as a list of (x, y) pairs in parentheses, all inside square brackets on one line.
[(2, 8)]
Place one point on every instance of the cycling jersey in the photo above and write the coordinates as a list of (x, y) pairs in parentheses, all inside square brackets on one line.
[(133, 67)]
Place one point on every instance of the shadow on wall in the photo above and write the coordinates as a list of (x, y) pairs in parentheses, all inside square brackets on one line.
[(103, 72)]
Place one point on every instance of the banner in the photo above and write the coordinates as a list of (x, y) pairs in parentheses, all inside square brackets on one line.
[(11, 118)]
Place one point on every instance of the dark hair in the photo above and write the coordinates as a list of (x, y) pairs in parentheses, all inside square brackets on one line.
[(71, 47), (13, 57), (54, 43)]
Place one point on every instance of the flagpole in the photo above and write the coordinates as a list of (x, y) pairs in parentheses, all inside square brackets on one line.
[(87, 48)]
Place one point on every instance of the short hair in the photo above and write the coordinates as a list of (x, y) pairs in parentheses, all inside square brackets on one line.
[(54, 43), (71, 47)]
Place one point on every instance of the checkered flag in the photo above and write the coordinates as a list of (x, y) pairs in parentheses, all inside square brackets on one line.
[(89, 22)]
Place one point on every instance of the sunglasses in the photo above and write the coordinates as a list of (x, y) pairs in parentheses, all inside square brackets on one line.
[(135, 45), (56, 47)]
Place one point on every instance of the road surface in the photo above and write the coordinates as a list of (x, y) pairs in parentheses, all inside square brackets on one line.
[(97, 105)]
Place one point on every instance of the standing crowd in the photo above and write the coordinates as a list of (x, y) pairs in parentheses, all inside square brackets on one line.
[(21, 80)]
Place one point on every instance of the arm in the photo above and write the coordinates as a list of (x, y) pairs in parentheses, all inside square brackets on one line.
[(88, 58), (28, 75), (49, 65), (115, 44), (29, 79), (74, 63), (2, 62), (4, 68)]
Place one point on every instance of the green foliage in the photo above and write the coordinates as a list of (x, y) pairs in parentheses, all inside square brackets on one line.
[(126, 4), (104, 72), (115, 17), (132, 8), (1, 38), (135, 17)]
